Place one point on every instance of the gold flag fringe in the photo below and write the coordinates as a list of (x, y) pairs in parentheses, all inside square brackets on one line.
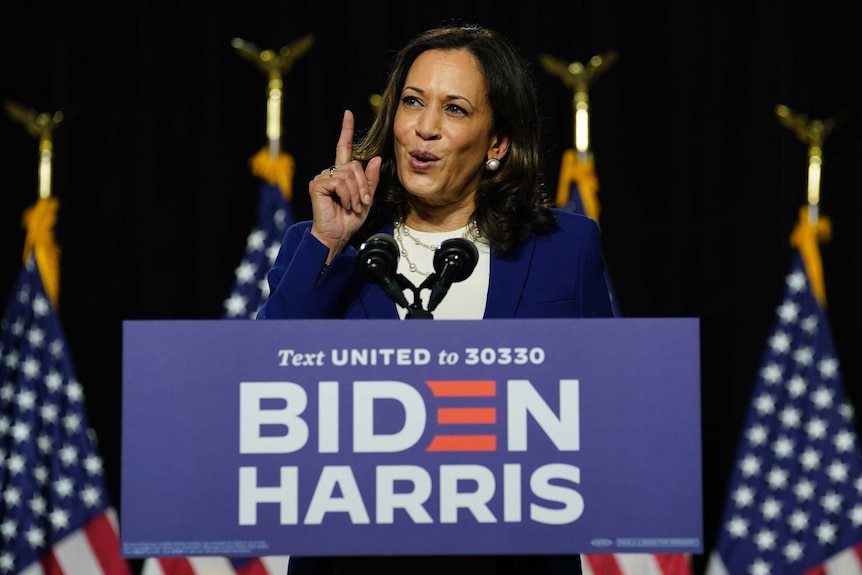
[(39, 222), (806, 237), (583, 173), (277, 171)]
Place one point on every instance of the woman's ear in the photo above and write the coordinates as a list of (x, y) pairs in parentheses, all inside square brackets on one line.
[(499, 146)]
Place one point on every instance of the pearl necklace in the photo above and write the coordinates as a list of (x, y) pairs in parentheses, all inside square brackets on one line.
[(471, 232)]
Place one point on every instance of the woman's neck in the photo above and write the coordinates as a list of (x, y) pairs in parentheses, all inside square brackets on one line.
[(438, 218)]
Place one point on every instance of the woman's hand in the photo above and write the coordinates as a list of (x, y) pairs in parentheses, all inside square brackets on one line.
[(341, 195)]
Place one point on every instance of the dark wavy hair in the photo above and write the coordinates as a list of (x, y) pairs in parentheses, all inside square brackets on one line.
[(512, 203)]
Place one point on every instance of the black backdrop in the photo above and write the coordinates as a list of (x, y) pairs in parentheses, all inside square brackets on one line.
[(700, 184)]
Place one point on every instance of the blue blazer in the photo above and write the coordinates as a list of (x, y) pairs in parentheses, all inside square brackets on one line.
[(559, 274)]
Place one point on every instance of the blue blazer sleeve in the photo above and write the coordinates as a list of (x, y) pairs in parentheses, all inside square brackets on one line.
[(587, 261), (301, 286)]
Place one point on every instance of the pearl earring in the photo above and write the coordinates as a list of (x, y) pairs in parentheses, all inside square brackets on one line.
[(492, 165)]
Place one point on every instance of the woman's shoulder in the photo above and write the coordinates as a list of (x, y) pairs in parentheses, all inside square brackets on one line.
[(568, 222)]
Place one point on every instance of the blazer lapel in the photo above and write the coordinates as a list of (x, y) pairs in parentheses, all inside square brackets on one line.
[(508, 276)]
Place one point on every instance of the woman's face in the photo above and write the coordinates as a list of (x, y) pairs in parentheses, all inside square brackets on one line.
[(442, 129)]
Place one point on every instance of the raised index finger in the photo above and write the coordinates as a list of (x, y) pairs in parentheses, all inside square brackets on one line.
[(344, 148)]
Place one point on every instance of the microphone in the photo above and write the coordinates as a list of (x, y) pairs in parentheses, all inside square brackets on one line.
[(454, 261), (378, 263)]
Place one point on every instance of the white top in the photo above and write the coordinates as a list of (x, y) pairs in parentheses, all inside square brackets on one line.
[(465, 299)]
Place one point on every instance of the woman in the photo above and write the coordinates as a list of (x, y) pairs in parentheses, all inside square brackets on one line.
[(455, 151)]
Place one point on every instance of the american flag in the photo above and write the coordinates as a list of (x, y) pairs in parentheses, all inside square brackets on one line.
[(636, 564), (250, 288), (794, 504), (55, 517), (275, 565)]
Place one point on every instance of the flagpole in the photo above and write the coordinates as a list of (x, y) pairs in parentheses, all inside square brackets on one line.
[(811, 229), (577, 166), (274, 65), (812, 133), (40, 218), (42, 126), (578, 76)]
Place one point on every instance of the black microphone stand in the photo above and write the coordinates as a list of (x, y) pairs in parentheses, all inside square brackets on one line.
[(415, 309)]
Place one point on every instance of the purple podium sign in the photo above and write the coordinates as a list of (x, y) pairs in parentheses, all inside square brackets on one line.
[(342, 437)]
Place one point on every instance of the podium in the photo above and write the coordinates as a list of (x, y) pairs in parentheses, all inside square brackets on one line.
[(386, 437)]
